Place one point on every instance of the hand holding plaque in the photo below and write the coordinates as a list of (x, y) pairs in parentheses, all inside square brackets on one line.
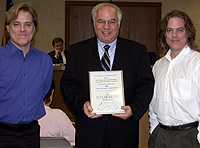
[(106, 92)]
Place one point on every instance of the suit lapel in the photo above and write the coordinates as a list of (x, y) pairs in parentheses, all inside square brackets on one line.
[(120, 54), (94, 55)]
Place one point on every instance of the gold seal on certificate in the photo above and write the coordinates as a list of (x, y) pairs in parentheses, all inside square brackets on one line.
[(106, 91)]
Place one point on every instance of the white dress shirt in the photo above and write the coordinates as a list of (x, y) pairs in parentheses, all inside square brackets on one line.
[(63, 57), (56, 124), (176, 98)]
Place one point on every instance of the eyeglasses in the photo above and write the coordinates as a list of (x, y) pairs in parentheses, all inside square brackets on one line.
[(110, 22)]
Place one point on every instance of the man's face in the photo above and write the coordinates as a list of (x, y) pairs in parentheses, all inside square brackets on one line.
[(21, 30), (176, 35), (106, 25), (58, 46)]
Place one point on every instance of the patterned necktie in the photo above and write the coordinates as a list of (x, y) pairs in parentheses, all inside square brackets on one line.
[(105, 60)]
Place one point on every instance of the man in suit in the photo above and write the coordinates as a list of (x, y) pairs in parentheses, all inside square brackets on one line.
[(58, 55), (116, 130)]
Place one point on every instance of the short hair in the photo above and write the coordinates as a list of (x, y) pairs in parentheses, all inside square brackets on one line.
[(189, 26), (101, 5), (13, 12), (57, 39), (46, 99)]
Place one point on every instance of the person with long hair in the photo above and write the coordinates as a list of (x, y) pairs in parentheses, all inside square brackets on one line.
[(175, 106)]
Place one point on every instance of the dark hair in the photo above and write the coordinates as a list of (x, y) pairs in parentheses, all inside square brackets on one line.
[(58, 39), (190, 30), (47, 97)]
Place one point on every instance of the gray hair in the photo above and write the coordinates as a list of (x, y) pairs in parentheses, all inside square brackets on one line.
[(101, 5)]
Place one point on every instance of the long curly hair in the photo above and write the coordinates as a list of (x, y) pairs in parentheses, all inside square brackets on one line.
[(189, 26)]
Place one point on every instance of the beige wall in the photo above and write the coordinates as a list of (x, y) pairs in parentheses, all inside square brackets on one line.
[(51, 14)]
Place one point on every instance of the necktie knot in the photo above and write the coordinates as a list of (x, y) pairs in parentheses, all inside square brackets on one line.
[(106, 47)]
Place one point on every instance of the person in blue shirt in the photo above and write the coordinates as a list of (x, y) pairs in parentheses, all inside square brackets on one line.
[(25, 78)]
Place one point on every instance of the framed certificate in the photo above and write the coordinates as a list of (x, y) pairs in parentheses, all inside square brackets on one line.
[(106, 91)]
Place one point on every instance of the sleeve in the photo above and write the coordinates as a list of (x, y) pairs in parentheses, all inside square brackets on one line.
[(67, 130), (196, 79), (48, 76), (144, 86), (198, 128), (55, 60), (70, 86), (152, 115)]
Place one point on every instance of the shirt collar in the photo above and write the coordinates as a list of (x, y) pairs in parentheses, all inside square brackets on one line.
[(62, 53), (184, 52), (47, 107), (12, 48), (103, 44)]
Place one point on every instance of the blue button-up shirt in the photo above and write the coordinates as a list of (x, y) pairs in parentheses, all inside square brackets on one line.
[(24, 81)]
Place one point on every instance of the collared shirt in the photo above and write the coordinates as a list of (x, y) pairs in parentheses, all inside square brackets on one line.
[(24, 81), (111, 50), (176, 98), (57, 124), (63, 57)]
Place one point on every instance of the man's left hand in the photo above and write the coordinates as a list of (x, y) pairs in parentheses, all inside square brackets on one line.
[(126, 115)]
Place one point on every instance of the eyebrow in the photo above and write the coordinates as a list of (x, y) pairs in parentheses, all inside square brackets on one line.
[(20, 22), (114, 19), (176, 28)]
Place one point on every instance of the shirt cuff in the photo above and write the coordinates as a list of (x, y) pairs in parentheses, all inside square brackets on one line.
[(198, 130)]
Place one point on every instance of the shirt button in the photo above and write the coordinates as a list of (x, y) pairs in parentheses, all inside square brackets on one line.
[(24, 88), (22, 117), (24, 74), (24, 103)]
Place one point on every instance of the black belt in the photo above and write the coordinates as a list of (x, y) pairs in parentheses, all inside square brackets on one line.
[(18, 127), (180, 127)]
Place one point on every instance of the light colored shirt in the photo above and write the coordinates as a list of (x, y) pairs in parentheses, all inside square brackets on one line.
[(57, 124), (176, 98), (63, 57), (111, 50), (24, 81)]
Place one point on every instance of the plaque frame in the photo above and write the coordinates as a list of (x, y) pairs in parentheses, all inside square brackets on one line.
[(106, 91)]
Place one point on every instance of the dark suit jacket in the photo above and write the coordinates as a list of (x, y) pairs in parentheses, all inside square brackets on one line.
[(133, 59), (55, 60)]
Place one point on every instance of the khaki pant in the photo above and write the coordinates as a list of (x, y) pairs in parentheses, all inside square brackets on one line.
[(161, 138)]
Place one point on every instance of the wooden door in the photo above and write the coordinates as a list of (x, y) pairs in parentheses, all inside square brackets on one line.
[(140, 22)]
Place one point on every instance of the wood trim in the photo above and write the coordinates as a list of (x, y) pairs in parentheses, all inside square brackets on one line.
[(158, 6)]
